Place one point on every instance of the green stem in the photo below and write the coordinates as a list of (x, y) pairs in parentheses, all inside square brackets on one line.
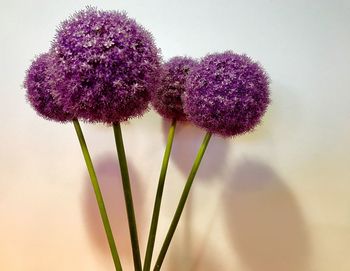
[(158, 200), (182, 202), (98, 195), (127, 196)]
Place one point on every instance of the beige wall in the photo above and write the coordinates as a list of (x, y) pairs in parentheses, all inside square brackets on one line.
[(274, 200)]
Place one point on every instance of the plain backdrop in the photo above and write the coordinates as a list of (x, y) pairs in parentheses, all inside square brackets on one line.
[(274, 200)]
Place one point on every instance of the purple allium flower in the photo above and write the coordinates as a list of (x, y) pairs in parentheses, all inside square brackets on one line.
[(39, 82), (226, 94), (167, 98), (108, 66)]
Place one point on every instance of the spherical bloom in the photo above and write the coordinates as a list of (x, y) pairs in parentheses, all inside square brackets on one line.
[(39, 83), (227, 94), (167, 99), (107, 66)]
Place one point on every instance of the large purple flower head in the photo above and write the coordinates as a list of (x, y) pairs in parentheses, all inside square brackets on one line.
[(39, 82), (107, 66), (167, 99), (227, 94)]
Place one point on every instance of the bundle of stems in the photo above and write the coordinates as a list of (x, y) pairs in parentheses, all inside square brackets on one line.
[(129, 199)]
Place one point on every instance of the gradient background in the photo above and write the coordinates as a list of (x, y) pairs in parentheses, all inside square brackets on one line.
[(274, 200)]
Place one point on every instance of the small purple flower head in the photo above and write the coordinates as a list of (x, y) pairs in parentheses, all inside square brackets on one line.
[(39, 84), (227, 94), (167, 99), (107, 65)]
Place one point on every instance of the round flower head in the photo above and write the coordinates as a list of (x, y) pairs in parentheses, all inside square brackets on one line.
[(39, 82), (167, 98), (107, 65), (227, 94)]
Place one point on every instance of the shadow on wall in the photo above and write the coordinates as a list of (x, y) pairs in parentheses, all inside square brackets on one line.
[(177, 261), (264, 221), (108, 173), (185, 147)]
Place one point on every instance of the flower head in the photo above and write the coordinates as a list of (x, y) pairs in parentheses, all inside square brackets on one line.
[(107, 66), (167, 99), (227, 94), (39, 84)]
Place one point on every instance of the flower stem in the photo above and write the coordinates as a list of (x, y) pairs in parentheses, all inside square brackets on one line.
[(182, 202), (158, 200), (98, 195), (127, 196)]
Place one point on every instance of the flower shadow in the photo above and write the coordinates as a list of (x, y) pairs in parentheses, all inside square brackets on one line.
[(185, 147), (107, 170), (264, 221), (180, 261)]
